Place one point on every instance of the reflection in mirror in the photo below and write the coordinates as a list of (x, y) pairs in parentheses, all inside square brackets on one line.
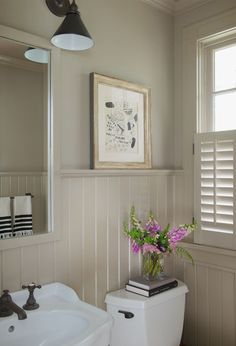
[(24, 119)]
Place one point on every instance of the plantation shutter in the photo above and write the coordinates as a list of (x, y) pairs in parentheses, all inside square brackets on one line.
[(215, 183)]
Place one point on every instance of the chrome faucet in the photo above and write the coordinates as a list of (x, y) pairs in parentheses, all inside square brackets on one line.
[(7, 307)]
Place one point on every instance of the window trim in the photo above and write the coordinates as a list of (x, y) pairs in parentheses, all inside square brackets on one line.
[(205, 76), (205, 125)]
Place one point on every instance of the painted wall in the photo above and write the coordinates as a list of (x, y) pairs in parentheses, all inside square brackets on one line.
[(91, 224), (21, 119), (133, 41)]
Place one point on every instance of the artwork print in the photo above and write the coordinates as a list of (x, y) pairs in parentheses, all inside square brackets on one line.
[(120, 124), (121, 121)]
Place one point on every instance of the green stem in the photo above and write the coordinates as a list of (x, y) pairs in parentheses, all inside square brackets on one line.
[(152, 265)]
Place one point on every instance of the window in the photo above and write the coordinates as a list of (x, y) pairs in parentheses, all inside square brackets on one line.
[(224, 88), (215, 142)]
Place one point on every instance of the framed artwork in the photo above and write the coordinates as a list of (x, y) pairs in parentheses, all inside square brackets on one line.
[(120, 124)]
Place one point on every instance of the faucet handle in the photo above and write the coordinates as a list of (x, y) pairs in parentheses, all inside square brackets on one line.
[(31, 287), (31, 303)]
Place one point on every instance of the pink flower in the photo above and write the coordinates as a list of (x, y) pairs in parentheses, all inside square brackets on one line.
[(135, 247), (176, 234), (153, 226), (150, 248)]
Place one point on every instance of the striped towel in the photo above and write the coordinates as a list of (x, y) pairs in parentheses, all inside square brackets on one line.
[(15, 216), (5, 217), (22, 216)]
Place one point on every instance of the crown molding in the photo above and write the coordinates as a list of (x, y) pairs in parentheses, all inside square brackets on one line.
[(176, 7), (183, 6), (164, 5)]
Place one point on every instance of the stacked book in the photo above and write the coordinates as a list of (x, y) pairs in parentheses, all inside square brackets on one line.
[(147, 288)]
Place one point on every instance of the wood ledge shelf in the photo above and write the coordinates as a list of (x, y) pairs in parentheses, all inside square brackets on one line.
[(73, 173)]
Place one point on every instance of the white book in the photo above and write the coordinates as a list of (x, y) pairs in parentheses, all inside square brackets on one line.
[(149, 285)]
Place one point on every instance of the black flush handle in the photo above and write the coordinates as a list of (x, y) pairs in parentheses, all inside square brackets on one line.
[(127, 314)]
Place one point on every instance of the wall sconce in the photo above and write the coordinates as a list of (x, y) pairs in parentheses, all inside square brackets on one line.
[(72, 33)]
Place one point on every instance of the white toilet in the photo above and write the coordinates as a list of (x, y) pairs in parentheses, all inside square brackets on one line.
[(141, 321)]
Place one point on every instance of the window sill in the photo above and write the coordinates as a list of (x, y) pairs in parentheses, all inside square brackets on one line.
[(208, 249), (211, 257)]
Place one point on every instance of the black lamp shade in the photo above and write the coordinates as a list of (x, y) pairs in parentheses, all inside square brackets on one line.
[(72, 34)]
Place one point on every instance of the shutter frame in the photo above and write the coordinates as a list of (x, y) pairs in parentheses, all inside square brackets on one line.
[(214, 188)]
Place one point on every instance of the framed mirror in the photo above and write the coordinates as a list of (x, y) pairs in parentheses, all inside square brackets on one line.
[(29, 165)]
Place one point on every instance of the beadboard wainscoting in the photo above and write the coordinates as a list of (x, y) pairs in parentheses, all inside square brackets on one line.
[(93, 255), (19, 183), (95, 206), (210, 318)]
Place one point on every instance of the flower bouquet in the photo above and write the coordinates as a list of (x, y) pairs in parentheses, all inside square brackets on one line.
[(155, 242)]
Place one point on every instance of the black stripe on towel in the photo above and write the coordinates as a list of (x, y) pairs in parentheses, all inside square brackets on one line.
[(23, 215), (5, 217)]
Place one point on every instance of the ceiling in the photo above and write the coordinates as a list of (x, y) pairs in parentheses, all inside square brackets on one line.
[(176, 7)]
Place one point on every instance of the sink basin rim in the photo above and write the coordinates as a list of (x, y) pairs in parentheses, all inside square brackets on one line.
[(58, 298)]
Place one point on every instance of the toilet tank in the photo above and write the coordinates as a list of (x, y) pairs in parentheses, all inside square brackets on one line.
[(142, 321)]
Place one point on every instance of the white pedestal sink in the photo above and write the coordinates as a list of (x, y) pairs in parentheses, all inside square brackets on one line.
[(61, 320)]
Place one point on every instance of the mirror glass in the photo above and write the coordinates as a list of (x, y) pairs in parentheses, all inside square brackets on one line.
[(25, 175)]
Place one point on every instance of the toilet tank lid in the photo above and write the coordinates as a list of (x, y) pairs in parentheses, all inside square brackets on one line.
[(123, 298)]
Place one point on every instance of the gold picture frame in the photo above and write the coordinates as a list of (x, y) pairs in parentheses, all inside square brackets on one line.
[(120, 124)]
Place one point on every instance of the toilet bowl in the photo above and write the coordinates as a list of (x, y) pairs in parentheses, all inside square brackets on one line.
[(142, 321)]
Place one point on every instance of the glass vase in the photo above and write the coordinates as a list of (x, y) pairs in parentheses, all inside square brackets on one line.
[(152, 266)]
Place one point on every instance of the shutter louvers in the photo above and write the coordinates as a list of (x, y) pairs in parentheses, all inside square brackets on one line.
[(215, 183)]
